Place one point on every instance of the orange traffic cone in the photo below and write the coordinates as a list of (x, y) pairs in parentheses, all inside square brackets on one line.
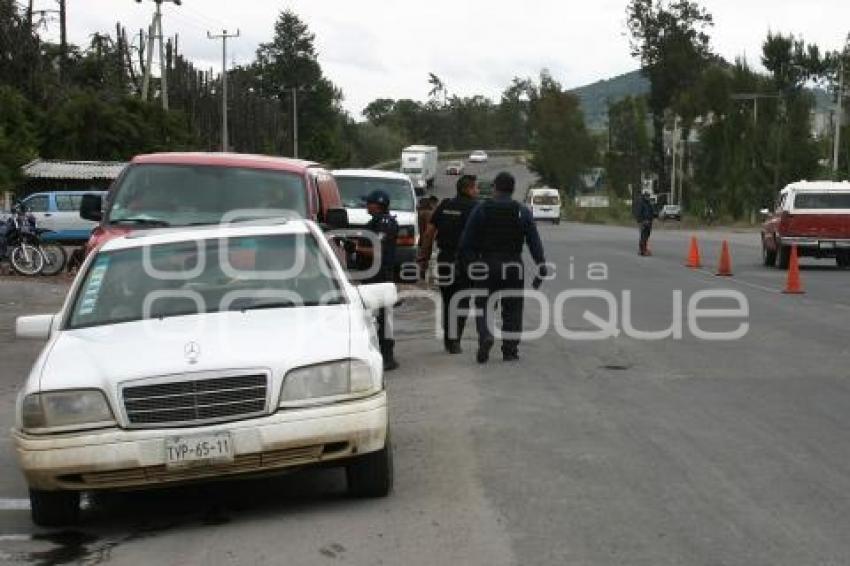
[(725, 267), (694, 261), (794, 286)]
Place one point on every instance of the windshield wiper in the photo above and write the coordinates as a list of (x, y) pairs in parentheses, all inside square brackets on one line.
[(141, 221), (268, 305)]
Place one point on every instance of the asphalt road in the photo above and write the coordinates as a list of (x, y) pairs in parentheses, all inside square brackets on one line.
[(614, 452)]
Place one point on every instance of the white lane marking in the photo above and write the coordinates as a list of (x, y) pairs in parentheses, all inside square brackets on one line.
[(14, 504)]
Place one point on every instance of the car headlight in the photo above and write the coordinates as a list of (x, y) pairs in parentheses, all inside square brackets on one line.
[(72, 409), (328, 382)]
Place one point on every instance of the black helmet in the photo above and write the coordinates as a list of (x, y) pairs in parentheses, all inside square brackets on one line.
[(378, 197)]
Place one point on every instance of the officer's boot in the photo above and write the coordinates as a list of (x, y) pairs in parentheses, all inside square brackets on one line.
[(387, 347)]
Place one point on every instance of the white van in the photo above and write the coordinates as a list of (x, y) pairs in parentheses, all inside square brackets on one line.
[(545, 204), (419, 162)]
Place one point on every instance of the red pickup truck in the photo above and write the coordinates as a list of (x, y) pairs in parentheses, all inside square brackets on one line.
[(190, 189), (813, 215)]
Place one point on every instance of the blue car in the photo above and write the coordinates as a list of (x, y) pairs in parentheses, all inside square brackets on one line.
[(59, 211)]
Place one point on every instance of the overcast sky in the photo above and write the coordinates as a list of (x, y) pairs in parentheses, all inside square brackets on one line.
[(386, 48)]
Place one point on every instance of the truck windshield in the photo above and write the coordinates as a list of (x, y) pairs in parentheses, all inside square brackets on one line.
[(354, 189), (179, 195), (412, 170), (545, 200), (822, 201), (204, 276)]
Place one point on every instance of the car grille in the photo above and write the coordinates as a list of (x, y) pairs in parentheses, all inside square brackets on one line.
[(197, 401)]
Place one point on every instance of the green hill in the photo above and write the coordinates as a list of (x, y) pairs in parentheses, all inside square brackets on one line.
[(596, 97)]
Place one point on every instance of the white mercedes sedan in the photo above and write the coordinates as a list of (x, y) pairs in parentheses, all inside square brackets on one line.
[(182, 356)]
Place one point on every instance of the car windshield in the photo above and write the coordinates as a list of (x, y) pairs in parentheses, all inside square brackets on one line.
[(354, 189), (180, 195), (205, 276), (822, 201), (545, 199)]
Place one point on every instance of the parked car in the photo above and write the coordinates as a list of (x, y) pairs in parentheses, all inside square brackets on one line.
[(454, 168), (478, 156), (813, 215), (670, 212), (259, 356), (545, 204), (355, 184), (190, 189), (59, 212), (485, 189)]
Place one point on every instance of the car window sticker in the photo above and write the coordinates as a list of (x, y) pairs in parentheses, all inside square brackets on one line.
[(95, 282)]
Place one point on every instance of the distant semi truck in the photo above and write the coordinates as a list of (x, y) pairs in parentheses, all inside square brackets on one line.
[(419, 162)]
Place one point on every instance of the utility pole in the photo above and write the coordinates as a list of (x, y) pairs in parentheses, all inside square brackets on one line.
[(673, 166), (223, 36), (155, 33), (295, 123), (63, 38), (839, 111)]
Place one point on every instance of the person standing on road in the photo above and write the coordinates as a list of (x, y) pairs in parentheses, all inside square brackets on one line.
[(424, 211), (494, 235), (385, 229), (446, 225), (645, 216)]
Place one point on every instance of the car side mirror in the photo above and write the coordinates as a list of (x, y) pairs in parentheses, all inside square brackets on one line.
[(336, 218), (378, 295), (36, 327), (91, 208)]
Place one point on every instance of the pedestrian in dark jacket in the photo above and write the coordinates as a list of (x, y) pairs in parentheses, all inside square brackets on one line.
[(385, 229), (645, 216), (446, 225), (495, 235)]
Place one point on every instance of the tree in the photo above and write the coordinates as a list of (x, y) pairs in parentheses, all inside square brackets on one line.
[(562, 147), (290, 61), (438, 88), (629, 146), (670, 39), (18, 142)]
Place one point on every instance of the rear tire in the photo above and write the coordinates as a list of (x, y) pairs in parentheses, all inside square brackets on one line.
[(54, 508), (26, 260), (556, 221), (371, 475), (56, 259), (784, 257), (842, 260)]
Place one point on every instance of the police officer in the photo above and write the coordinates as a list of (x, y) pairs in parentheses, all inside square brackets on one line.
[(494, 235), (645, 216), (447, 224), (385, 229)]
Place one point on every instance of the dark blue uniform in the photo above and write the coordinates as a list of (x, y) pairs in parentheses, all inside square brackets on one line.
[(385, 228), (450, 219), (645, 216), (495, 234)]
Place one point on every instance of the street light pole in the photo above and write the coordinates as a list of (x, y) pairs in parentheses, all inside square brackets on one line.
[(223, 36)]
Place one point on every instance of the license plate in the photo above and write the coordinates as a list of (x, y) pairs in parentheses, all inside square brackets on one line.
[(827, 245), (188, 450)]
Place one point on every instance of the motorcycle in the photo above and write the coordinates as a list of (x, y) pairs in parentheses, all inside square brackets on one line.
[(26, 252)]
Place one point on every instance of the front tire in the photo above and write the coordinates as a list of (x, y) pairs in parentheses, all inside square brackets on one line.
[(54, 508), (556, 221), (371, 475), (768, 256), (784, 257), (842, 260), (26, 260)]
